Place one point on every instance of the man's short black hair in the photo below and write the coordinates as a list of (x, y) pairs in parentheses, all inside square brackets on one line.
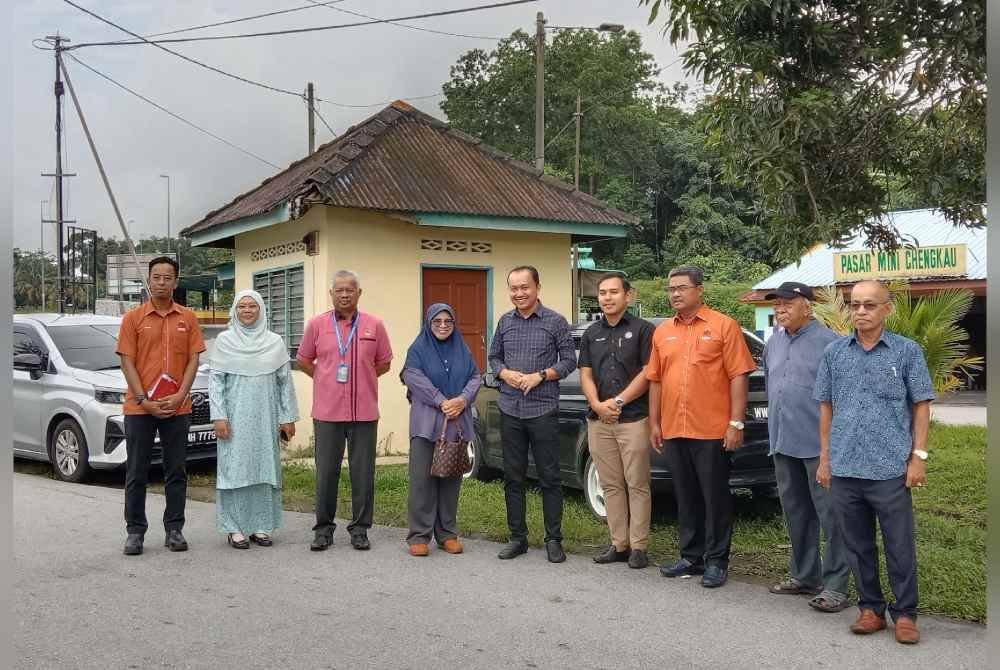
[(626, 284), (521, 268), (164, 260), (694, 274)]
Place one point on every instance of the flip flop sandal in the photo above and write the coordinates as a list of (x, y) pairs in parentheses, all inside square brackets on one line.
[(828, 601), (792, 587)]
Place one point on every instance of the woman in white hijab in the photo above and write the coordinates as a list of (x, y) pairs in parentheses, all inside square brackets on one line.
[(252, 399)]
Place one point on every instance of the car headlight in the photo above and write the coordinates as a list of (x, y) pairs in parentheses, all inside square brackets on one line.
[(109, 397)]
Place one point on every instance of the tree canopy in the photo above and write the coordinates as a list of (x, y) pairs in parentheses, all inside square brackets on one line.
[(830, 111)]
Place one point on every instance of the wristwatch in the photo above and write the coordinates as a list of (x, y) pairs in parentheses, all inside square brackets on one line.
[(738, 425), (619, 401), (921, 454), (542, 374), (140, 398)]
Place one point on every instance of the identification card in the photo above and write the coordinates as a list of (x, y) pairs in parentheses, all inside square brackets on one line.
[(342, 373)]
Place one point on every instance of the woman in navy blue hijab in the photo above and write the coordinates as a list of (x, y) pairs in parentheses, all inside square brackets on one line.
[(442, 381)]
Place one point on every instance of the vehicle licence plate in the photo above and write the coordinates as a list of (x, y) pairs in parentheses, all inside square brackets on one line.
[(201, 436)]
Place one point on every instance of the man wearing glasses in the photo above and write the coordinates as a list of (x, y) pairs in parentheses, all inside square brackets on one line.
[(791, 358), (698, 371), (874, 392)]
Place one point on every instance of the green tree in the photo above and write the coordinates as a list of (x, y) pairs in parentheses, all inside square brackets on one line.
[(825, 108)]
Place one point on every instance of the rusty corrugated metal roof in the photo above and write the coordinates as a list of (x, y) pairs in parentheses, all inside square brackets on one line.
[(406, 161)]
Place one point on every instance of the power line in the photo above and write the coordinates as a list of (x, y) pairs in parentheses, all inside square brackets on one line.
[(176, 116), (292, 31), (404, 25), (316, 111), (245, 18), (379, 104), (179, 55)]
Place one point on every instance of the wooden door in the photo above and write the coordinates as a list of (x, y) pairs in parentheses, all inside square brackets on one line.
[(465, 291)]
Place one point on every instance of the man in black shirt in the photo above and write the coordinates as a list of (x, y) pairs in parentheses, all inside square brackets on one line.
[(613, 353)]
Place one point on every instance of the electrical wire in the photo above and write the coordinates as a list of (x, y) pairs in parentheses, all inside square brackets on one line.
[(175, 115), (291, 31), (379, 104), (314, 5), (316, 112), (404, 25)]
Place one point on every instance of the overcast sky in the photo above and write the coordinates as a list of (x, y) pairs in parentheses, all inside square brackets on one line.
[(358, 66)]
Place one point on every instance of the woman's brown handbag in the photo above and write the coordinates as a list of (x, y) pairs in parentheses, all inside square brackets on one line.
[(451, 459)]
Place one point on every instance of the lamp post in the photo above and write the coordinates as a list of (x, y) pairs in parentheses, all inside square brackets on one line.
[(540, 77), (167, 177)]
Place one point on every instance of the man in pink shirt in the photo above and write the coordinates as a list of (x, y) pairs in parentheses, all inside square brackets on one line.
[(345, 351)]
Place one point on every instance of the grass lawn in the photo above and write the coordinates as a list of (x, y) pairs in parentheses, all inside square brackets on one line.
[(950, 510)]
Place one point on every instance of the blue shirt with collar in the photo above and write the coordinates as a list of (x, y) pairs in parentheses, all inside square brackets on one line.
[(872, 393), (790, 364)]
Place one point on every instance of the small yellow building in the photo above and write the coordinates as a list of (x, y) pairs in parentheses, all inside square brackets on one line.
[(424, 214)]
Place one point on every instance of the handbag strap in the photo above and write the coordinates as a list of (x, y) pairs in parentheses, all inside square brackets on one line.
[(444, 429)]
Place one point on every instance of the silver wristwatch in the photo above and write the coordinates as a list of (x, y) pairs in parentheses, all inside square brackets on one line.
[(140, 398), (619, 401), (738, 425)]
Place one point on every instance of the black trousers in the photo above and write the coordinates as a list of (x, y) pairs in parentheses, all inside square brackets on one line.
[(360, 438), (541, 436), (140, 434), (700, 470), (857, 503)]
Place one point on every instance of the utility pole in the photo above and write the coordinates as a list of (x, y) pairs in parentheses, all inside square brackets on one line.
[(312, 117), (41, 246), (576, 170), (167, 177), (57, 42), (540, 91)]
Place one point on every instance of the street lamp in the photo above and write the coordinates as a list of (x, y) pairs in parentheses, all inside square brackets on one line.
[(167, 177), (540, 77)]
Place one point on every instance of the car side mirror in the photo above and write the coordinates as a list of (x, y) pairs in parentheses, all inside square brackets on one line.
[(31, 363), (490, 380)]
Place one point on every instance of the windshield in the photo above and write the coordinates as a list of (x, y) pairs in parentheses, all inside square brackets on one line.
[(87, 347)]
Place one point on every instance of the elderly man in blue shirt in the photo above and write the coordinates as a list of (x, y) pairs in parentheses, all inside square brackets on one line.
[(791, 358), (875, 391)]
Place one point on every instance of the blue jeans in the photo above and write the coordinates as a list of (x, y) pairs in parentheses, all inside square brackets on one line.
[(857, 504), (808, 508)]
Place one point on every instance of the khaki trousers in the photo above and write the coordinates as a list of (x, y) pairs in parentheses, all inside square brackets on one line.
[(621, 454)]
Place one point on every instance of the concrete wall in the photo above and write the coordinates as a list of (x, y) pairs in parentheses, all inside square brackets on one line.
[(386, 252)]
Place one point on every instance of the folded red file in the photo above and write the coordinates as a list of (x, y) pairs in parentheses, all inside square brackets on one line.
[(165, 385)]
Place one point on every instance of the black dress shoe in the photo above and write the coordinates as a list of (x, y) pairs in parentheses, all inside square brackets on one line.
[(638, 559), (262, 540), (360, 541), (133, 544), (513, 549), (554, 551), (238, 544), (714, 577), (611, 555), (175, 541), (321, 542)]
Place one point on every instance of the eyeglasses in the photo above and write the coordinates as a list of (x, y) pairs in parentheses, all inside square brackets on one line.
[(868, 306), (439, 323), (683, 288)]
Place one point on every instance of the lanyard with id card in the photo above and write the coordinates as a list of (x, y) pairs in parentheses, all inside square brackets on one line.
[(343, 371)]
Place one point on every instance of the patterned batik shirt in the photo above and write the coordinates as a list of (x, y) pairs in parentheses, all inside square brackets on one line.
[(872, 393)]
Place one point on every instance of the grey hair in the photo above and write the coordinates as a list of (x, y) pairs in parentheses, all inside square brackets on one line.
[(346, 274), (694, 273)]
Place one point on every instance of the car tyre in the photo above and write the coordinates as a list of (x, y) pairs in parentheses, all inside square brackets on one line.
[(592, 490), (479, 469), (68, 452)]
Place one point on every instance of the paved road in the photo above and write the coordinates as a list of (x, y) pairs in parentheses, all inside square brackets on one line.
[(82, 604)]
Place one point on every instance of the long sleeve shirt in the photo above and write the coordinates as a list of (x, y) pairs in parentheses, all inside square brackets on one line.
[(528, 345), (426, 417)]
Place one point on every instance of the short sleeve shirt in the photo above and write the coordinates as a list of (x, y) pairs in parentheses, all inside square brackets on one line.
[(159, 343), (872, 394), (616, 354), (357, 398), (694, 363)]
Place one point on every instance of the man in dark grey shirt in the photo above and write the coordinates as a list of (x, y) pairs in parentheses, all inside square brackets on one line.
[(791, 359), (532, 350)]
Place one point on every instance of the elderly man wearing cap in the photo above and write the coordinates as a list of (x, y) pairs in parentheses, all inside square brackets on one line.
[(791, 358)]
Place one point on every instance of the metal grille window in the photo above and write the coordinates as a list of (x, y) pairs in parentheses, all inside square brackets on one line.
[(283, 291)]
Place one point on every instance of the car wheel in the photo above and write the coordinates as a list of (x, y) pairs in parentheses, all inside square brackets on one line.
[(68, 451), (593, 491), (479, 468)]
